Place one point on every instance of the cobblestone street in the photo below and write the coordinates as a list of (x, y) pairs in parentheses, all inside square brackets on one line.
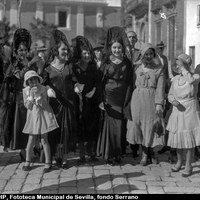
[(96, 178)]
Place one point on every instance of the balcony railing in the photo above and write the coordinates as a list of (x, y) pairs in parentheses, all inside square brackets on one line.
[(70, 1)]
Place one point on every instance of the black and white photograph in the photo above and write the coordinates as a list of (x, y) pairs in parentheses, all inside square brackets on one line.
[(99, 99)]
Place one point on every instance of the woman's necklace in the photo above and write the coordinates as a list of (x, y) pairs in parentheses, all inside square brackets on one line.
[(115, 60), (58, 66)]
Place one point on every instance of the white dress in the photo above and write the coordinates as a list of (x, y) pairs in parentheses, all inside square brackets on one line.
[(184, 121)]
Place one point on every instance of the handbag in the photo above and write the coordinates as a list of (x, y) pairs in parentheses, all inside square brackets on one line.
[(159, 126)]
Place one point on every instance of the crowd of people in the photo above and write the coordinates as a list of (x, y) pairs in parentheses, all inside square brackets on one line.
[(98, 100)]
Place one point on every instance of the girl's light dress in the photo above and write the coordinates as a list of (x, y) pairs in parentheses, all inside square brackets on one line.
[(184, 121), (40, 118)]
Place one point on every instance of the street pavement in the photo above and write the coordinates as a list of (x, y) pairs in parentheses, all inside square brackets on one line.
[(95, 177)]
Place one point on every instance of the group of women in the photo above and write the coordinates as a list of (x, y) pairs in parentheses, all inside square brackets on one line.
[(97, 109)]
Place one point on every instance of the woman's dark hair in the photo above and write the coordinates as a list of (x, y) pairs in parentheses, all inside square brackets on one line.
[(56, 39), (21, 37), (79, 44), (107, 52)]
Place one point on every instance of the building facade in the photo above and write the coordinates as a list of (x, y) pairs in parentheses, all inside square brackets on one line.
[(175, 22), (192, 30), (138, 11), (71, 16)]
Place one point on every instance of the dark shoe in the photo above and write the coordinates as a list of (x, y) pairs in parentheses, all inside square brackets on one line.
[(47, 169), (93, 159), (164, 149), (5, 149), (65, 165), (81, 161), (135, 155), (58, 162), (176, 169), (27, 167), (110, 162), (187, 173), (118, 160)]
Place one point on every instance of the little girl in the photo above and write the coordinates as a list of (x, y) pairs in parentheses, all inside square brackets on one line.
[(40, 118), (184, 121)]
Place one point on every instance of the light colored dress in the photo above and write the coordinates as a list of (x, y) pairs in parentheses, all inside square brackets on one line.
[(150, 87), (40, 118), (184, 121)]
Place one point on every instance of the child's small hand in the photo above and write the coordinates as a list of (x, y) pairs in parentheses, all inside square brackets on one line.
[(51, 93), (175, 103), (159, 110), (35, 91), (101, 106), (91, 93), (30, 98), (78, 88), (38, 100)]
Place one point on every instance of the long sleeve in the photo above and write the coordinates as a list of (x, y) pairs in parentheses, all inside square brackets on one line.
[(103, 77), (191, 78), (27, 102), (160, 89), (20, 70), (131, 86), (171, 97)]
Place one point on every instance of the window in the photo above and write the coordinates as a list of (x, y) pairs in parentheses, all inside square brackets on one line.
[(198, 15), (158, 32), (172, 36), (192, 55), (63, 17)]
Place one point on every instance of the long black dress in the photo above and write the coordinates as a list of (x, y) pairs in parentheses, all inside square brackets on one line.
[(64, 107), (117, 87), (88, 115)]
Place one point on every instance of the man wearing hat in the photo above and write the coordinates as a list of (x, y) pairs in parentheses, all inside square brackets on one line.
[(132, 37), (160, 49), (39, 57), (98, 48)]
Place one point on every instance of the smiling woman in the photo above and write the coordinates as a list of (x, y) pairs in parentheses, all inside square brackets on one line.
[(86, 88), (146, 103), (117, 83), (58, 74)]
